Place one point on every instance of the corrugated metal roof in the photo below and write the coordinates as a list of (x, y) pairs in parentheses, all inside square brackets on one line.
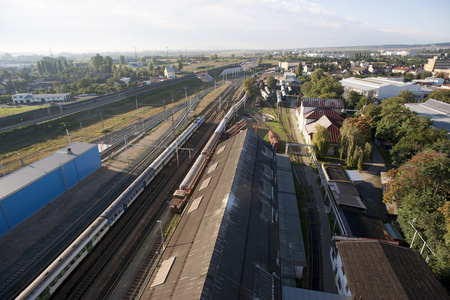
[(292, 248), (25, 176), (346, 194), (437, 111), (227, 248), (290, 293), (322, 102)]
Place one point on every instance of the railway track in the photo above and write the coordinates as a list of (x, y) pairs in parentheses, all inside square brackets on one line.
[(42, 254), (151, 209), (135, 288), (315, 259), (315, 266)]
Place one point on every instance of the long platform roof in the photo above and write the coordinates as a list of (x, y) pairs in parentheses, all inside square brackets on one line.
[(226, 246), (25, 176)]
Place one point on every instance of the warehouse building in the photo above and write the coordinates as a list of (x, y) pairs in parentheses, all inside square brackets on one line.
[(380, 88), (38, 98), (28, 189), (226, 245)]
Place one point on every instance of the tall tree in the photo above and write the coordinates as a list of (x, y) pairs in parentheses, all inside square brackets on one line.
[(249, 86), (271, 82), (321, 141), (422, 187), (96, 61)]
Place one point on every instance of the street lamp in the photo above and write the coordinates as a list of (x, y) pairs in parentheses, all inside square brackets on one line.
[(162, 236)]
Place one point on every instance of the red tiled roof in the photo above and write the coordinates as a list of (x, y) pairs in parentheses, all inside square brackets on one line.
[(332, 128), (322, 102), (320, 111), (334, 134)]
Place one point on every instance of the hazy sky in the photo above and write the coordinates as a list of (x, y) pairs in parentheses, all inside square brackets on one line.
[(35, 26)]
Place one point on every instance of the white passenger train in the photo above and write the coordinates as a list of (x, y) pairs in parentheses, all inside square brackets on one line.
[(51, 278), (181, 195)]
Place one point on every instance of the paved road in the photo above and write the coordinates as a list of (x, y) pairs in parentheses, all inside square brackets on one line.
[(370, 189)]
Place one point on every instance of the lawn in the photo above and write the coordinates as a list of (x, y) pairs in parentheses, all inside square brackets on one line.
[(13, 110)]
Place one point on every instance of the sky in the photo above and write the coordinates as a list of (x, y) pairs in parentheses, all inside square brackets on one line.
[(91, 26)]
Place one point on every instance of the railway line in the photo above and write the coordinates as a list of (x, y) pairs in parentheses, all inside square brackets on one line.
[(315, 259), (88, 104), (42, 254), (148, 207)]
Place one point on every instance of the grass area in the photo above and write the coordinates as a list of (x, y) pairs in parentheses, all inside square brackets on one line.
[(13, 110), (36, 141), (207, 65)]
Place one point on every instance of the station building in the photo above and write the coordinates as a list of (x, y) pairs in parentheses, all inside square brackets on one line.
[(28, 189), (38, 98)]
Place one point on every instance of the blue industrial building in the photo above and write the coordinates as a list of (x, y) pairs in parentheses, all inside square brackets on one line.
[(25, 191)]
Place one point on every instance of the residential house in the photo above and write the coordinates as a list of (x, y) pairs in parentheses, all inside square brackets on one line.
[(325, 112), (379, 269), (400, 70), (359, 70), (169, 72)]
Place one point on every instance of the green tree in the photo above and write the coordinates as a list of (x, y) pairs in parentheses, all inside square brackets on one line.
[(352, 99), (443, 95), (322, 86), (122, 60), (408, 96), (426, 74), (96, 61), (271, 82), (321, 141), (421, 186), (180, 65), (250, 86), (83, 83)]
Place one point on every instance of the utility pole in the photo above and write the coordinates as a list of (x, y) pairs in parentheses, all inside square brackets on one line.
[(162, 236), (103, 127), (2, 169), (137, 107), (81, 126), (21, 160)]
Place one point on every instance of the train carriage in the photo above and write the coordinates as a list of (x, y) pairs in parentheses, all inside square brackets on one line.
[(48, 281), (52, 277)]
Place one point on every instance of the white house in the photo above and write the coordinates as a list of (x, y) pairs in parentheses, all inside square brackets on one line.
[(38, 98), (169, 72), (380, 88)]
